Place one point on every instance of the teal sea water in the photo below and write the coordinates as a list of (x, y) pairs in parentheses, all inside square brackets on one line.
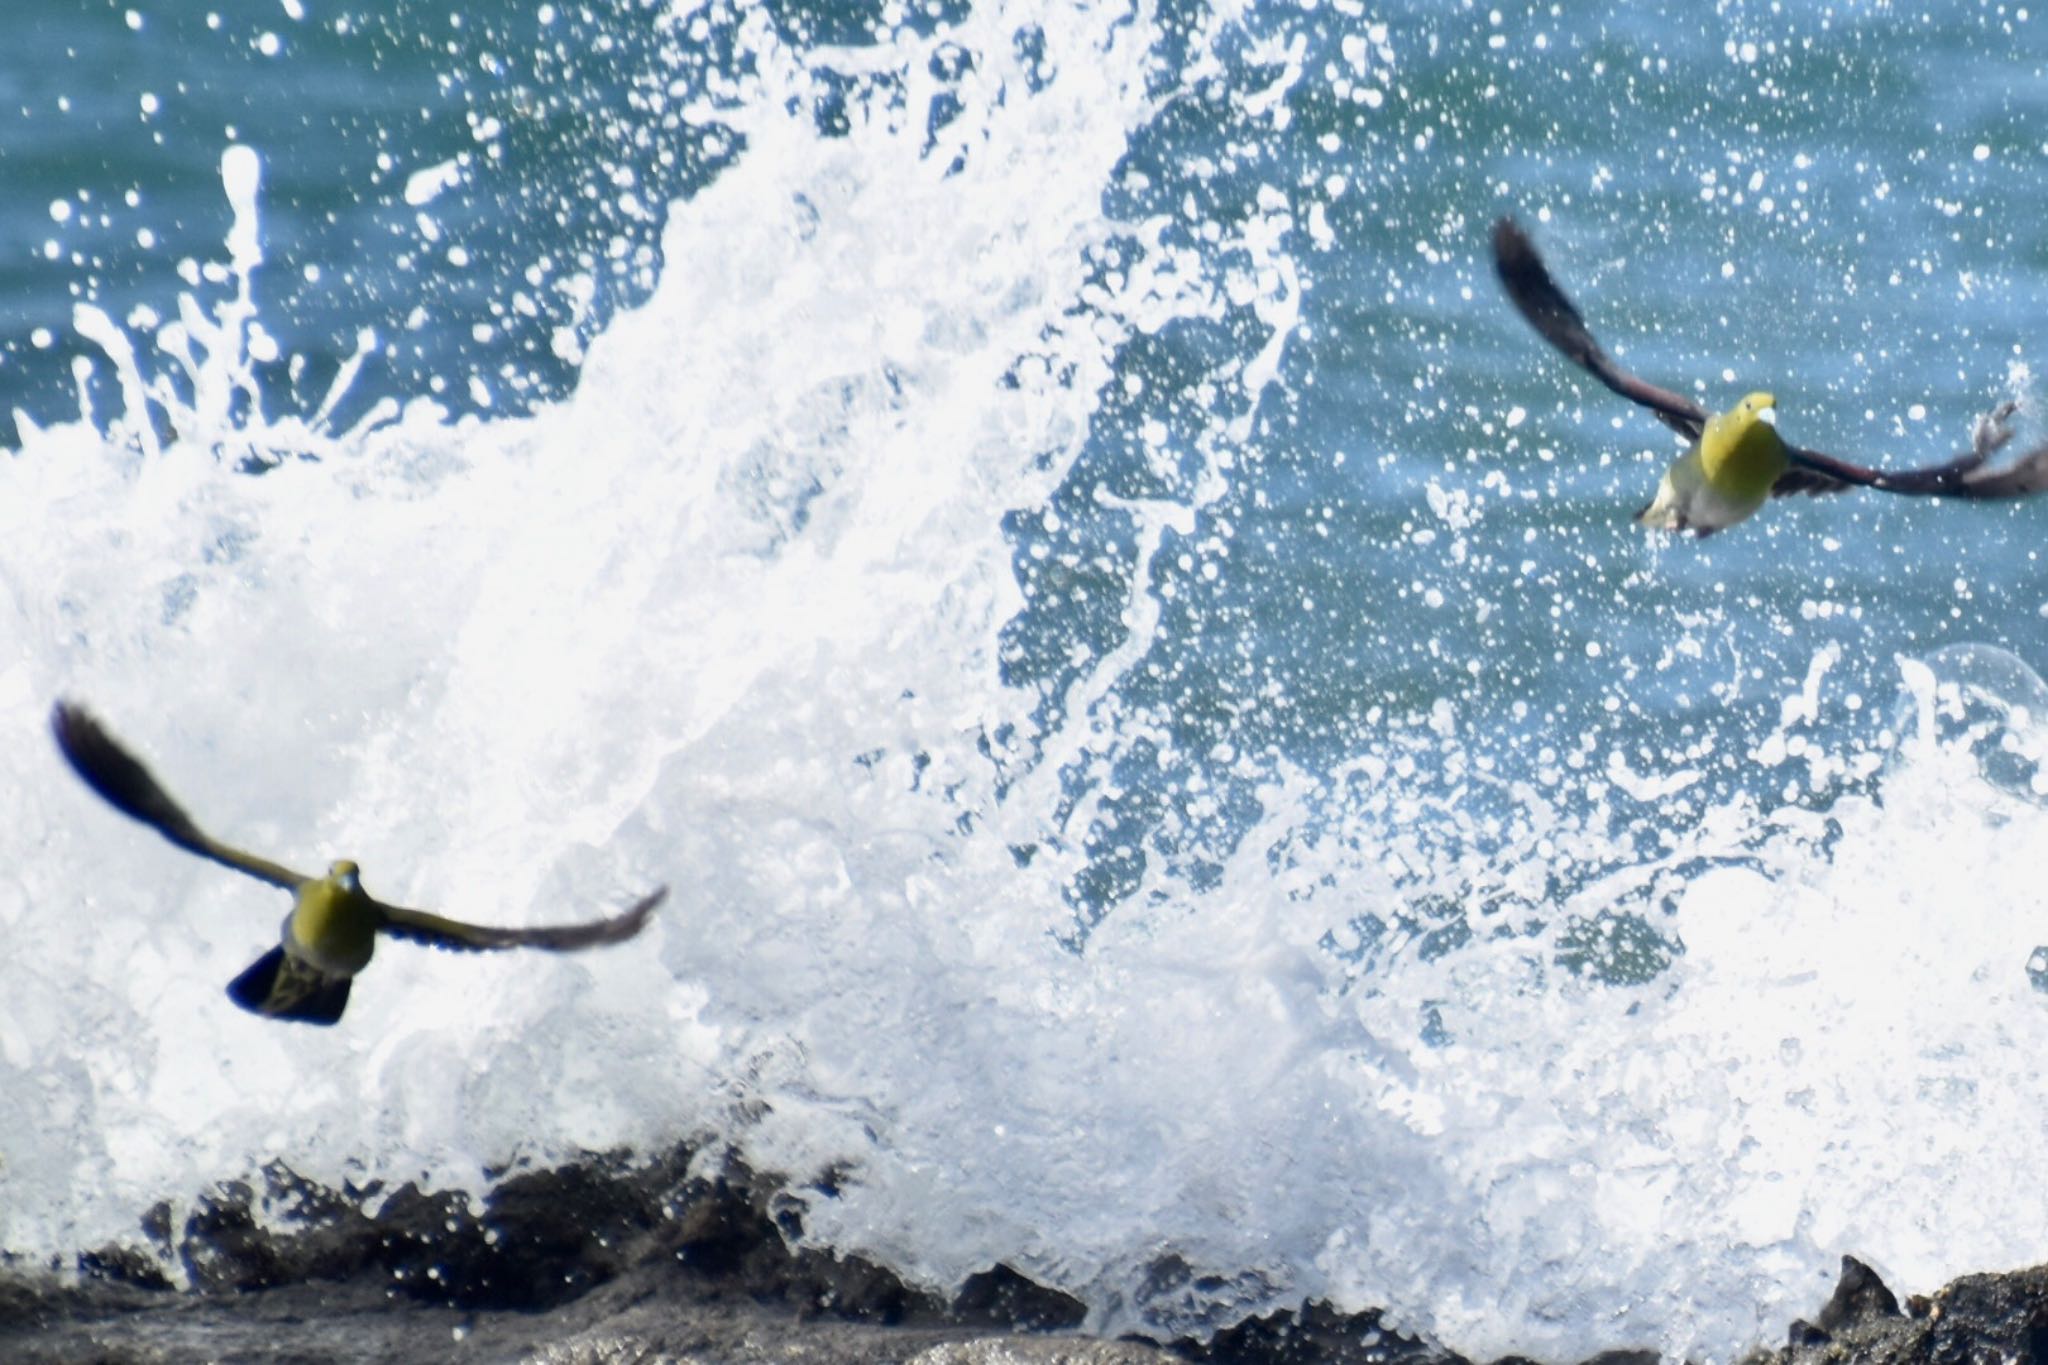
[(481, 189), (1037, 521)]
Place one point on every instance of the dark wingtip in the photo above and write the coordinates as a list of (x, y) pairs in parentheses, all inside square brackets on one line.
[(1516, 261), (101, 762), (117, 775), (85, 746), (1509, 241), (1536, 296), (1543, 305), (629, 922), (68, 720), (633, 918)]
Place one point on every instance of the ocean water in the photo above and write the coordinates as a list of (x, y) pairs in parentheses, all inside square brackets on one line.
[(1177, 771)]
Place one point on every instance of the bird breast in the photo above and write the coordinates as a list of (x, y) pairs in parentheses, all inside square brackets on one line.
[(1742, 457), (332, 928)]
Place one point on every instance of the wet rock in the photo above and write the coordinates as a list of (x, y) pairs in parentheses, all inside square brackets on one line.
[(1859, 1297), (607, 1259), (126, 1265), (1989, 1316), (600, 1259), (1000, 1296), (1311, 1335), (2000, 1317), (1039, 1351)]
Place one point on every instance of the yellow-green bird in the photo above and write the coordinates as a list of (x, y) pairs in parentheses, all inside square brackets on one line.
[(1736, 462), (1727, 474), (332, 929)]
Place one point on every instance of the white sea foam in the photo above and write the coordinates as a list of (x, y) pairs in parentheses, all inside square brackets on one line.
[(728, 618)]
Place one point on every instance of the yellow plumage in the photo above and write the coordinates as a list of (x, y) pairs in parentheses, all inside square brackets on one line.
[(1725, 476), (331, 932), (333, 923), (1736, 461)]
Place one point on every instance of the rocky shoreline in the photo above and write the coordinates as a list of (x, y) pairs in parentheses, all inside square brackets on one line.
[(607, 1260)]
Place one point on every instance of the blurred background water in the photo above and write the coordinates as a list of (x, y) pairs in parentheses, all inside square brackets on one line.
[(1040, 519)]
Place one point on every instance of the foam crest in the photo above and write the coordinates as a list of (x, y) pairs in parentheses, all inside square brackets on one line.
[(505, 664)]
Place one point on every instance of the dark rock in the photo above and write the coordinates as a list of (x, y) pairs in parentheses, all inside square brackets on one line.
[(1000, 1296), (607, 1259), (710, 1259), (2000, 1317), (1983, 1317), (1860, 1296), (125, 1265), (1314, 1334), (1804, 1333)]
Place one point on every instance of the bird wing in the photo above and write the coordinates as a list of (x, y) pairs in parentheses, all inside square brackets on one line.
[(121, 780), (1808, 478), (1536, 296), (1965, 476), (438, 932)]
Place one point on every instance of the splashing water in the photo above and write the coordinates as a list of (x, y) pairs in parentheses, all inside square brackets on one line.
[(889, 586)]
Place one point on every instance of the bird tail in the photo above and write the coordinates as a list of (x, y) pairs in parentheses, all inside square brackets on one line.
[(276, 987)]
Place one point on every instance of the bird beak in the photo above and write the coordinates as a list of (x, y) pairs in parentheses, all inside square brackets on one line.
[(1768, 415)]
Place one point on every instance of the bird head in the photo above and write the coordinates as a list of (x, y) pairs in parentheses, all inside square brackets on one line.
[(1759, 407), (344, 874)]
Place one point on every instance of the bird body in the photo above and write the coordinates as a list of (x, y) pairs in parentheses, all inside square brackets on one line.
[(1726, 475), (331, 933), (333, 923), (1736, 461)]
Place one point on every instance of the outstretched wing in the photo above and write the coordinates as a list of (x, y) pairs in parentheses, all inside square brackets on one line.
[(121, 780), (437, 932), (1539, 300), (1537, 296), (1962, 477)]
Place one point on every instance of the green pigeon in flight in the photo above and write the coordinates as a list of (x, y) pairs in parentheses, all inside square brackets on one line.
[(332, 929), (1736, 461)]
